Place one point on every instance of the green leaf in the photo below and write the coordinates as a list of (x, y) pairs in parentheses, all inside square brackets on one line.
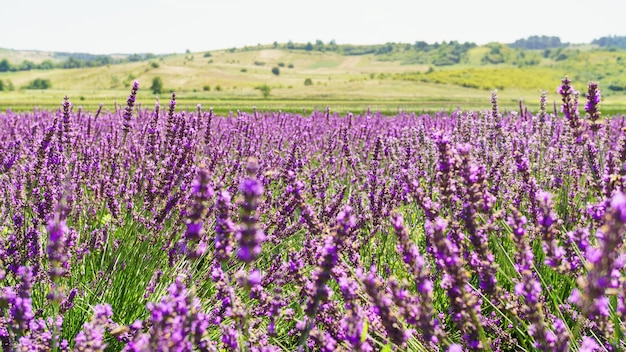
[(364, 332), (105, 219)]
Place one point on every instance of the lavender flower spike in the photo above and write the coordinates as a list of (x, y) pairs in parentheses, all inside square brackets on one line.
[(57, 253), (603, 262), (91, 338), (570, 107), (202, 191), (591, 107), (250, 236), (224, 227), (416, 265), (130, 105)]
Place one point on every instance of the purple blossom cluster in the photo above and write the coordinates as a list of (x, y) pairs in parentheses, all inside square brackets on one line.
[(185, 230)]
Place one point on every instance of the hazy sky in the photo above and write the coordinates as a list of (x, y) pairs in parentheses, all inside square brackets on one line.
[(161, 26)]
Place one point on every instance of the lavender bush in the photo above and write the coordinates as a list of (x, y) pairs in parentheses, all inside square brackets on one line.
[(146, 229)]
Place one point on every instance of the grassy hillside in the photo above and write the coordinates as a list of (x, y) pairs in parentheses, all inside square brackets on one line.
[(388, 78)]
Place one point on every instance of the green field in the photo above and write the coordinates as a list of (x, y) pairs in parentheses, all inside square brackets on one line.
[(230, 78)]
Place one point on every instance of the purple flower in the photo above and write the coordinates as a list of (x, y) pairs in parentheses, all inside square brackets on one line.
[(20, 302), (570, 107), (57, 253), (548, 221), (588, 344), (250, 235), (224, 227), (333, 243), (591, 107), (542, 106), (417, 267), (229, 338), (445, 166), (130, 105), (91, 337), (455, 347), (561, 343), (465, 306), (175, 321), (195, 244), (382, 305), (68, 302)]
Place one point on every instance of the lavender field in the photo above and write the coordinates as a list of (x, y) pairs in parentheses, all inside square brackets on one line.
[(153, 228)]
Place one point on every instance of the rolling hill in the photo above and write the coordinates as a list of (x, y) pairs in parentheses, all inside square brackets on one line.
[(390, 76)]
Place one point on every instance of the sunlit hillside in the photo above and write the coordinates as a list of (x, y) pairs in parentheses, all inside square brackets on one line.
[(394, 75)]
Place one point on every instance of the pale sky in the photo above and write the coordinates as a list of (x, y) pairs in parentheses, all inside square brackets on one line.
[(165, 26)]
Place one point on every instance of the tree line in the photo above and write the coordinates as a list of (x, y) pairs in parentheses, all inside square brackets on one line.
[(611, 41), (71, 61)]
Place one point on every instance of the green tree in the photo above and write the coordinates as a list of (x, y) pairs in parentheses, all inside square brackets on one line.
[(157, 85), (265, 90), (46, 65), (27, 65), (4, 65), (72, 62), (39, 83), (276, 71)]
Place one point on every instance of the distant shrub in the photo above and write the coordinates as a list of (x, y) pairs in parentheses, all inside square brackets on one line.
[(157, 85), (207, 55), (308, 82), (561, 57), (491, 58), (5, 66), (290, 66), (39, 83), (244, 70), (281, 64), (1, 85), (265, 90), (210, 61), (537, 42), (218, 88), (276, 71), (206, 88), (259, 63), (154, 64)]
